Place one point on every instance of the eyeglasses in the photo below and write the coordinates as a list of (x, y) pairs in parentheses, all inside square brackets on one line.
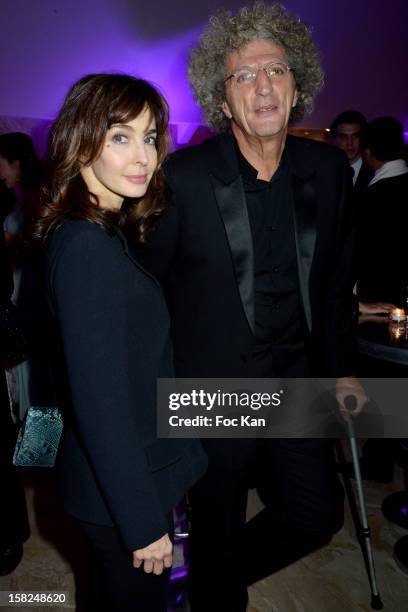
[(275, 71)]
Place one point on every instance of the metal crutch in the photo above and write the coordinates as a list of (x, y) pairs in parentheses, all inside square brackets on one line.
[(364, 532)]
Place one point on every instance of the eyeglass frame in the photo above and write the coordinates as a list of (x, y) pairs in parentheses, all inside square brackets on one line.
[(256, 70)]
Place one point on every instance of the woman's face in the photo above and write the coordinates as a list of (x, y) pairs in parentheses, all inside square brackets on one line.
[(9, 171), (126, 163)]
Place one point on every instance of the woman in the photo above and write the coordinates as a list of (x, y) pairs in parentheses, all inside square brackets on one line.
[(106, 148)]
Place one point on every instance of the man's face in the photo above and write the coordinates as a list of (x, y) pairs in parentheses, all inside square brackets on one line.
[(347, 138), (260, 108)]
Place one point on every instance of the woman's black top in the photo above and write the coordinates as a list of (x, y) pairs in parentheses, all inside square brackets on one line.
[(114, 328)]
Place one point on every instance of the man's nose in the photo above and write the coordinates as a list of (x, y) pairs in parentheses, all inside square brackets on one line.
[(263, 84)]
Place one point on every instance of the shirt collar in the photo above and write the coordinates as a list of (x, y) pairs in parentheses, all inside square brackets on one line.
[(390, 169), (356, 167), (250, 174)]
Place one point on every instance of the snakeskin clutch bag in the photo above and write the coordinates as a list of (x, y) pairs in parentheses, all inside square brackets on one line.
[(39, 438)]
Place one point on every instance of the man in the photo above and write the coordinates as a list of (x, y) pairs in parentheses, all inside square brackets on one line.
[(383, 215), (346, 132), (254, 256), (381, 268)]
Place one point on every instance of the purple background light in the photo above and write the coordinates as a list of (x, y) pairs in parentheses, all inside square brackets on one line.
[(45, 45)]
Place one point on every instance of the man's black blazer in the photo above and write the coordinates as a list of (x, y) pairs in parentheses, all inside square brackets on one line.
[(114, 326), (202, 252), (363, 178), (382, 270)]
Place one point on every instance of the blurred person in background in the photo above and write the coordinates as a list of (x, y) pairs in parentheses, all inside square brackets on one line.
[(382, 269), (22, 172), (381, 263), (346, 133), (14, 526)]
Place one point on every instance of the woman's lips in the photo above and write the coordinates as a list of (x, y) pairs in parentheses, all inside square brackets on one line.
[(137, 179)]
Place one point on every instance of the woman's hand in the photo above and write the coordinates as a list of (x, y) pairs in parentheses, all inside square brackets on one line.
[(156, 556)]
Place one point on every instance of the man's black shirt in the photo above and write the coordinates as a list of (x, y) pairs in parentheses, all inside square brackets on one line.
[(278, 318)]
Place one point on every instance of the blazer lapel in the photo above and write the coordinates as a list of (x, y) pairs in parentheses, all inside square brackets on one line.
[(232, 205), (230, 198), (304, 200)]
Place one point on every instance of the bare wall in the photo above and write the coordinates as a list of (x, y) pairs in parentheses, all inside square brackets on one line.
[(47, 44)]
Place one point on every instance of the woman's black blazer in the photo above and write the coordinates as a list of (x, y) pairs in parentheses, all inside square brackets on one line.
[(114, 327)]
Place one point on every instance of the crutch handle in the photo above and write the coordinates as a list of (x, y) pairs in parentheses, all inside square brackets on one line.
[(350, 402)]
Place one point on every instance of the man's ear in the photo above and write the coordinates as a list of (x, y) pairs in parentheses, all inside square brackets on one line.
[(295, 98), (226, 109)]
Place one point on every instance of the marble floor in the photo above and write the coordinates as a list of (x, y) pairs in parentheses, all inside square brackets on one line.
[(330, 580)]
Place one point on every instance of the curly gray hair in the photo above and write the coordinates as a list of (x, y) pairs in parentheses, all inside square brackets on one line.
[(227, 32)]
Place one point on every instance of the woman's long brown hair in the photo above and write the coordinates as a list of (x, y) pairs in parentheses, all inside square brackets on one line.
[(92, 106)]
